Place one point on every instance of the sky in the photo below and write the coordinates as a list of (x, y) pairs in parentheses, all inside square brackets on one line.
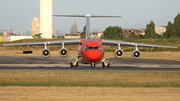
[(18, 14)]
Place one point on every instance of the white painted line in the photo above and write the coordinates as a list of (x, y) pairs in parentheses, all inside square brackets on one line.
[(149, 66)]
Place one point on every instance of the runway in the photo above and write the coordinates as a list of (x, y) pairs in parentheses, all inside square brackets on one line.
[(25, 63)]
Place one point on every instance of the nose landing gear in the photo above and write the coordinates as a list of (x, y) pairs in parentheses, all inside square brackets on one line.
[(93, 64)]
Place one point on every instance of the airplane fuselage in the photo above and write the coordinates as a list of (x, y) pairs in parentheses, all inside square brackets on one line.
[(92, 51)]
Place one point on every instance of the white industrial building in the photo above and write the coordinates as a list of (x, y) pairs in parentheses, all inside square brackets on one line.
[(72, 36), (96, 35), (13, 37)]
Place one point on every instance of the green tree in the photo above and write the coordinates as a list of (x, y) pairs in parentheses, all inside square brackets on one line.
[(150, 30), (176, 27), (113, 32), (83, 33), (37, 36), (61, 37), (168, 32)]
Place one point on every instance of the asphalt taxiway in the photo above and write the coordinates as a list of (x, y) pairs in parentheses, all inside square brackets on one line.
[(26, 63)]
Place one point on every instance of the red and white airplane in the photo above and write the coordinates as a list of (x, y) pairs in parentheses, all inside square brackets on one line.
[(91, 50)]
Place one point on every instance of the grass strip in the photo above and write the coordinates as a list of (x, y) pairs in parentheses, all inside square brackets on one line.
[(89, 79)]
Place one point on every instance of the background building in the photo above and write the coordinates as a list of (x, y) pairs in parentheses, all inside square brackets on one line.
[(96, 35), (72, 36), (52, 30), (35, 26)]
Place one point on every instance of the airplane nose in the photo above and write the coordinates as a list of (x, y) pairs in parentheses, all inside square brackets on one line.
[(95, 56)]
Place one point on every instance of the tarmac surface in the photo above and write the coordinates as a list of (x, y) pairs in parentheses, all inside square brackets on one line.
[(25, 63)]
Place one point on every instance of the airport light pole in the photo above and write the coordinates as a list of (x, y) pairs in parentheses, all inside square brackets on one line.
[(27, 31)]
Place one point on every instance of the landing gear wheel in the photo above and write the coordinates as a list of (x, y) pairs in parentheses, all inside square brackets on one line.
[(108, 65), (71, 64), (93, 64), (76, 64), (103, 65)]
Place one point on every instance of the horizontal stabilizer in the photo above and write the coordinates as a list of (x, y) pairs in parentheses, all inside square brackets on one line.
[(70, 15), (87, 16)]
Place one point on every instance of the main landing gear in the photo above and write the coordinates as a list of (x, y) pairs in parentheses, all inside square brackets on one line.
[(106, 62), (74, 61)]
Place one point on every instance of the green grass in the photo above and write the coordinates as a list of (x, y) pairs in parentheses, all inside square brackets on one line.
[(90, 79)]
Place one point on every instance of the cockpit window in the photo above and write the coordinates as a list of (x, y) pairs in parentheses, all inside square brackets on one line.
[(91, 48), (86, 47), (100, 48), (95, 47)]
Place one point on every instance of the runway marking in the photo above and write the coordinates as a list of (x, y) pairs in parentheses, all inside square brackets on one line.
[(149, 66)]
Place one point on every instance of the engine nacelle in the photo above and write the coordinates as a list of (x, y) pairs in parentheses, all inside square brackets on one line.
[(136, 54), (63, 52), (45, 53), (119, 53)]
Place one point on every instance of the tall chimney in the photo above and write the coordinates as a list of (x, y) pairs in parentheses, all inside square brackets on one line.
[(46, 18)]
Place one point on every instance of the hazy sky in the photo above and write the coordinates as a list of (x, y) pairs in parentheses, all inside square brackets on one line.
[(135, 13)]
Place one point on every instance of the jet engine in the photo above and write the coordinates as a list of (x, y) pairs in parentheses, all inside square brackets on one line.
[(136, 54), (63, 52), (119, 53), (45, 53)]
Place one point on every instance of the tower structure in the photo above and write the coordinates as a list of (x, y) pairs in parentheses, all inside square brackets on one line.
[(46, 18)]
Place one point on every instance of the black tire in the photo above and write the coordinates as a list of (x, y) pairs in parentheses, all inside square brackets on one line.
[(103, 65), (71, 64), (92, 65), (108, 65), (76, 64)]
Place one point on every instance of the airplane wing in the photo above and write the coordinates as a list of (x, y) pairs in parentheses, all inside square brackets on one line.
[(122, 43), (59, 42), (104, 42)]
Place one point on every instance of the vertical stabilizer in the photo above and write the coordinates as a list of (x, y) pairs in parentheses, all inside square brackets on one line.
[(88, 26)]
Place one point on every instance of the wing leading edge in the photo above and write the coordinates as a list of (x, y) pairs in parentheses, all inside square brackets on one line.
[(122, 43), (59, 42)]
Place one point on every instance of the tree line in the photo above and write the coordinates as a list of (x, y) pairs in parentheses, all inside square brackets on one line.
[(173, 29), (116, 32)]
